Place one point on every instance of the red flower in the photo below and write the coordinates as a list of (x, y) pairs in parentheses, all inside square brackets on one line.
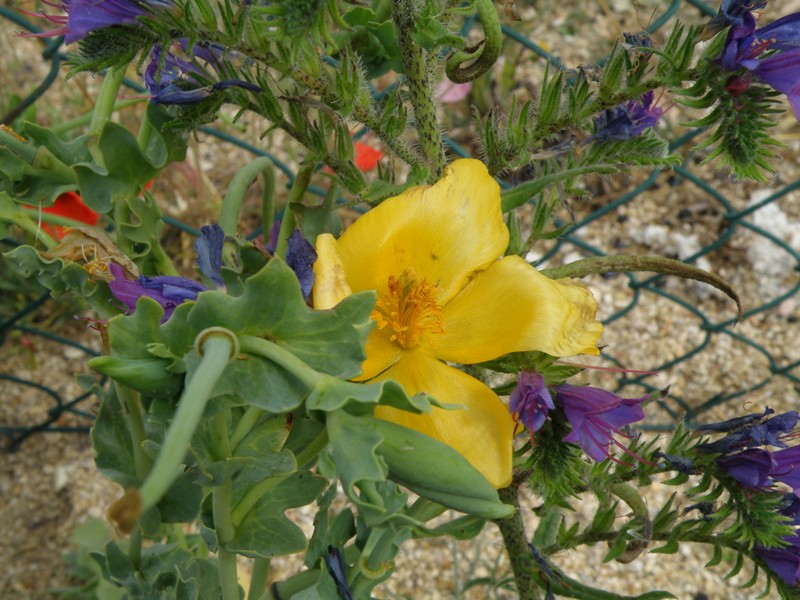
[(367, 157), (69, 205)]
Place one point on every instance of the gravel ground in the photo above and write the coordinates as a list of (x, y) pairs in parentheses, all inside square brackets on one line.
[(49, 486)]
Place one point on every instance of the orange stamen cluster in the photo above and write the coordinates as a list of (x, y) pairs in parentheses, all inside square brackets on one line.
[(409, 309)]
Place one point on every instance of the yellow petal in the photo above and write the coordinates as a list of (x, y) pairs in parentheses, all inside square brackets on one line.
[(330, 281), (482, 431), (445, 232), (511, 307), (382, 353)]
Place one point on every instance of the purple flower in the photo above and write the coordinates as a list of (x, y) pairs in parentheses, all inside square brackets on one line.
[(165, 69), (731, 13), (173, 80), (209, 253), (300, 256), (759, 468), (168, 290), (530, 401), (785, 561), (627, 120), (596, 415), (84, 16), (781, 71), (750, 467), (786, 468)]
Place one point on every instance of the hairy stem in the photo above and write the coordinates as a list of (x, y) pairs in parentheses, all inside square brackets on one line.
[(420, 86), (513, 531)]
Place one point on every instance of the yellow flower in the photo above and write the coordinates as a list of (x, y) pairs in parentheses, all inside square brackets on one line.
[(433, 254)]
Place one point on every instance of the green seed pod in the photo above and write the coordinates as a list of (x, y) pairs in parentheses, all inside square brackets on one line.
[(147, 375), (437, 472)]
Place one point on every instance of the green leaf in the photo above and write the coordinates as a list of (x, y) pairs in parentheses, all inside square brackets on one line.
[(354, 442), (125, 170), (258, 382), (195, 578), (181, 503), (332, 394), (461, 528), (57, 275), (69, 153), (266, 531), (111, 440), (167, 144), (120, 568), (272, 307)]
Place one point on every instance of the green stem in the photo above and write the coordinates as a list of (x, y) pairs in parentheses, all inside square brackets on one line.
[(487, 52), (251, 416), (163, 263), (367, 115), (122, 214), (217, 351), (86, 119), (145, 133), (103, 109), (244, 177), (134, 415), (266, 349), (258, 579), (228, 579), (180, 536), (308, 454), (24, 222), (135, 547), (19, 147), (513, 531), (404, 15), (38, 215), (221, 507), (289, 222), (293, 585)]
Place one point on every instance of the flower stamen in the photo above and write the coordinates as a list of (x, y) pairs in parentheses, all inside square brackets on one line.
[(409, 309)]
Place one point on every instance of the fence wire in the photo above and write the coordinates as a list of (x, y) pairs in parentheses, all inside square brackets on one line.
[(18, 323)]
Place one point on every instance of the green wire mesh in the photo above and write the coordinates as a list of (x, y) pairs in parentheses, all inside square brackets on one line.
[(675, 406)]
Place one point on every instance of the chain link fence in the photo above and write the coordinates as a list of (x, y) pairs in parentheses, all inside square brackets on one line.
[(734, 221)]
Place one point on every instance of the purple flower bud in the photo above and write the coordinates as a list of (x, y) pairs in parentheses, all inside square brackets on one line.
[(169, 291), (300, 256), (530, 401), (336, 567), (748, 431), (627, 120), (209, 253), (596, 415), (734, 423), (731, 13)]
